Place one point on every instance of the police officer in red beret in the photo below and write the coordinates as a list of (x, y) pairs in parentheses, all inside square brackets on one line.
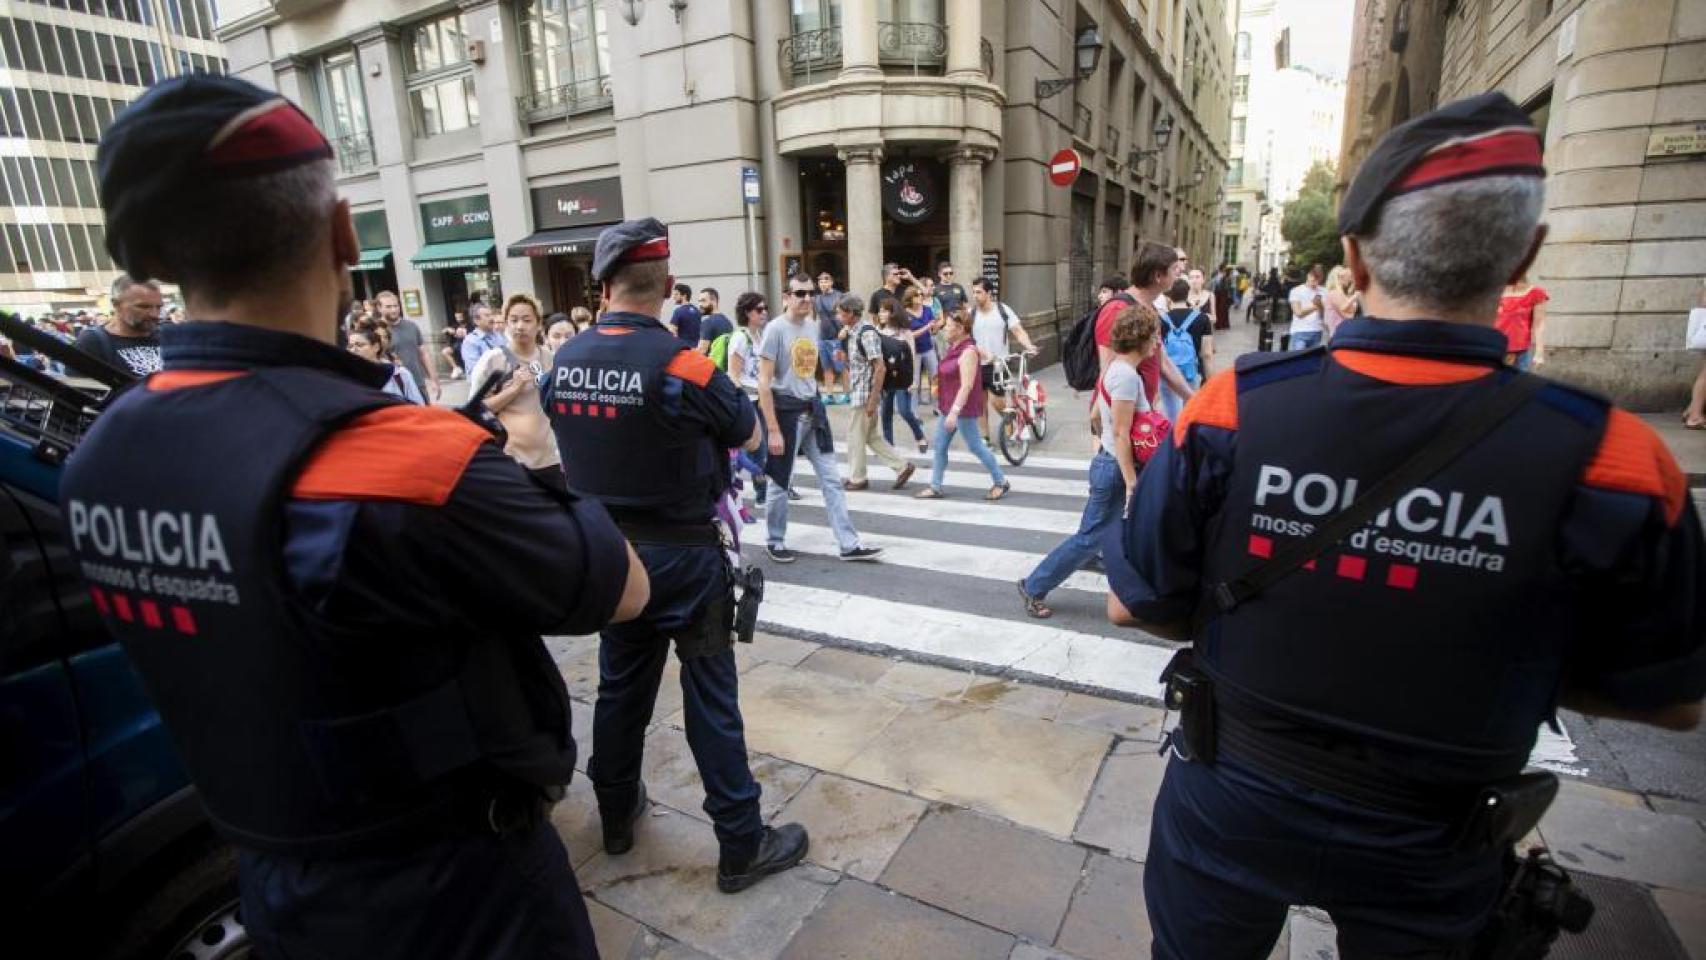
[(278, 544), (1395, 558)]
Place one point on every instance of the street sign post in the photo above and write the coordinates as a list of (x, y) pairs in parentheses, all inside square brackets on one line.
[(749, 193), (1063, 167)]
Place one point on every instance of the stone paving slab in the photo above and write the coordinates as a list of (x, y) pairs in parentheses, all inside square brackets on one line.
[(810, 718), (1588, 831), (1024, 882), (1687, 915), (855, 827), (669, 881), (1027, 699), (861, 922), (1116, 818), (1133, 720), (847, 664), (1027, 770), (1107, 920), (672, 776)]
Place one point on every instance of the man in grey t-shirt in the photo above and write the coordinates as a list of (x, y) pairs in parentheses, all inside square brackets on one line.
[(787, 396), (406, 343)]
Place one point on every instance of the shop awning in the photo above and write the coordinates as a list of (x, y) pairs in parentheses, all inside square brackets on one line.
[(454, 253), (552, 243), (372, 259)]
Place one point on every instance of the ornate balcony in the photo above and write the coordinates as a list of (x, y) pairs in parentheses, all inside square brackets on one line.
[(354, 152), (812, 55), (920, 47), (582, 96)]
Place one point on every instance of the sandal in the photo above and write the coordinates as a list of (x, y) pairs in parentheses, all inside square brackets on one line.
[(1696, 425), (998, 491), (928, 493), (1034, 605)]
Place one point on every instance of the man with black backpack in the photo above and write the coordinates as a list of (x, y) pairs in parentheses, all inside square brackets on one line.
[(868, 363), (1187, 338), (1088, 351)]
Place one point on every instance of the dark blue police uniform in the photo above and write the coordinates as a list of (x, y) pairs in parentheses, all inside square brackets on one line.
[(371, 740), (1417, 658), (645, 425)]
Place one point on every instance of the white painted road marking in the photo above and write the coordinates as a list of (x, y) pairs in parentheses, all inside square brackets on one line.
[(881, 479), (971, 508), (988, 563), (958, 454)]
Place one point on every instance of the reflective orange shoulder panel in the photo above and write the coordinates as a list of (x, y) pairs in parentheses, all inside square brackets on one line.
[(405, 453), (179, 379), (1631, 458), (1215, 405), (692, 366), (1409, 371)]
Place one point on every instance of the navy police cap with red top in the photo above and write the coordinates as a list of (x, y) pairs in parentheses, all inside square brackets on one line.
[(1480, 136), (631, 241), (186, 132)]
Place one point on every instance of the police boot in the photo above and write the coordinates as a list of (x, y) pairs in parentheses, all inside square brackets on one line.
[(778, 848), (619, 826)]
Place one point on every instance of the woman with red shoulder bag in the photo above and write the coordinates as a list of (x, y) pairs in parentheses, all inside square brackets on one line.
[(1131, 432)]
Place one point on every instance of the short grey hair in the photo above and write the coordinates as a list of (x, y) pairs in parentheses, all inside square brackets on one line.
[(1453, 247), (245, 233), (852, 304), (125, 281)]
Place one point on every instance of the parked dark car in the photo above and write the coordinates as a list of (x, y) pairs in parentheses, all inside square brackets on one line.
[(107, 850)]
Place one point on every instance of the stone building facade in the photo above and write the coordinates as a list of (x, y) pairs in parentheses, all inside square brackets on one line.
[(1619, 89), (484, 143)]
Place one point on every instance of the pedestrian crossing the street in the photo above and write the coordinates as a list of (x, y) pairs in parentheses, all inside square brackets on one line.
[(945, 588)]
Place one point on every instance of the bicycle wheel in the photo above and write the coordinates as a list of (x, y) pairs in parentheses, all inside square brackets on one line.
[(1039, 423), (1013, 439)]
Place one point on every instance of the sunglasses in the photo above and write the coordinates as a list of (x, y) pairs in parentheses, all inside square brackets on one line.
[(800, 293)]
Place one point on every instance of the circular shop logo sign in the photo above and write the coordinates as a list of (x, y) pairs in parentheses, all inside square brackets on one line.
[(909, 191)]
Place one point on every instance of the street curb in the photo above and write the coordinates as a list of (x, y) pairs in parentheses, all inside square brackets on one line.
[(953, 663)]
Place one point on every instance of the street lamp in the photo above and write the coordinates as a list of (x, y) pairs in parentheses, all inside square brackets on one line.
[(1163, 132), (1087, 53), (1197, 176), (632, 10)]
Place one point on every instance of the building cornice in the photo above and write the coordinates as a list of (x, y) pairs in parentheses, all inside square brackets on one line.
[(259, 20)]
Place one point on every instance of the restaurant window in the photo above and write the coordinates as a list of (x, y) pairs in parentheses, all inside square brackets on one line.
[(565, 52), (441, 80)]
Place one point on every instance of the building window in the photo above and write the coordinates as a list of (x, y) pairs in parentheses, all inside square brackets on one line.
[(1237, 131), (1242, 48), (815, 14), (343, 112), (565, 54), (1235, 172), (1240, 89), (441, 80)]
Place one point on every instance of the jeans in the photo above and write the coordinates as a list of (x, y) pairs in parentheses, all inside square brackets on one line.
[(974, 442), (903, 400), (1522, 360), (828, 481), (1305, 340), (1172, 403), (924, 364), (862, 436), (1105, 506)]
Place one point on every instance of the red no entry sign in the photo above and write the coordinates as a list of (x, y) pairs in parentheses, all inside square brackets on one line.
[(1063, 167)]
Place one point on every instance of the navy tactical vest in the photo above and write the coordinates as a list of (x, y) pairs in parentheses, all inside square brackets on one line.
[(609, 410), (303, 735), (1429, 644)]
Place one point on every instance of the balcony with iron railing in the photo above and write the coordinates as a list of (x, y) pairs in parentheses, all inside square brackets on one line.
[(354, 152), (904, 47), (811, 56), (581, 96), (919, 48)]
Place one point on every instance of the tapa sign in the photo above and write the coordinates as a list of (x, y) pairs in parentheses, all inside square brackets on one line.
[(909, 191), (577, 204)]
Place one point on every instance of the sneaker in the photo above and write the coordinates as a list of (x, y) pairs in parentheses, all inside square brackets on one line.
[(794, 494), (780, 554), (904, 475), (862, 553), (619, 830), (779, 848)]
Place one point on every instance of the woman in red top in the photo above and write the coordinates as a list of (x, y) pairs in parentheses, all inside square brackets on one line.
[(959, 395), (1522, 318)]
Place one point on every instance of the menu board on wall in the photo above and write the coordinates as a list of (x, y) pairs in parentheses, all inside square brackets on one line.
[(992, 269)]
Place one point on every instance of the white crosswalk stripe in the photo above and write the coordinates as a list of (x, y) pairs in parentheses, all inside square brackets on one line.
[(957, 453), (881, 479), (990, 563), (958, 507)]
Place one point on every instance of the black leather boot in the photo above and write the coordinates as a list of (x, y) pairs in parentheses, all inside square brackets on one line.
[(778, 849), (619, 827)]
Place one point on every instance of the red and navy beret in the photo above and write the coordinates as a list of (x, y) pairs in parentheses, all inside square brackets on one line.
[(1480, 136), (183, 133), (631, 241)]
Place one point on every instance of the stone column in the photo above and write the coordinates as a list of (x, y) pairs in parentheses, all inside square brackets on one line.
[(965, 209), (864, 216), (965, 30), (859, 40)]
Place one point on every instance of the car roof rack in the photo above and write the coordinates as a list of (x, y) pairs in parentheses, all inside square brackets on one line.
[(50, 414)]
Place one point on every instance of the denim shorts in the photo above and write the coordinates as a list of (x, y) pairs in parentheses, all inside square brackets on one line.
[(826, 353)]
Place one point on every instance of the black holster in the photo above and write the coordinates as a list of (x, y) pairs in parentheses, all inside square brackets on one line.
[(1190, 691), (1537, 903)]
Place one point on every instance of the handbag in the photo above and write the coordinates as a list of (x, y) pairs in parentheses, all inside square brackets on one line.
[(1149, 429), (1697, 329)]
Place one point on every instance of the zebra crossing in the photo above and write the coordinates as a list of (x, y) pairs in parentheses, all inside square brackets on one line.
[(945, 588)]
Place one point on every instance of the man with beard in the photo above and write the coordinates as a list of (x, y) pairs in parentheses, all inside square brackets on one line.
[(131, 339)]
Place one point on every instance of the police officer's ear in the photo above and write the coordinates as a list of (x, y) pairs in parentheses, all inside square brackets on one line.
[(1533, 251), (346, 249), (1355, 263)]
